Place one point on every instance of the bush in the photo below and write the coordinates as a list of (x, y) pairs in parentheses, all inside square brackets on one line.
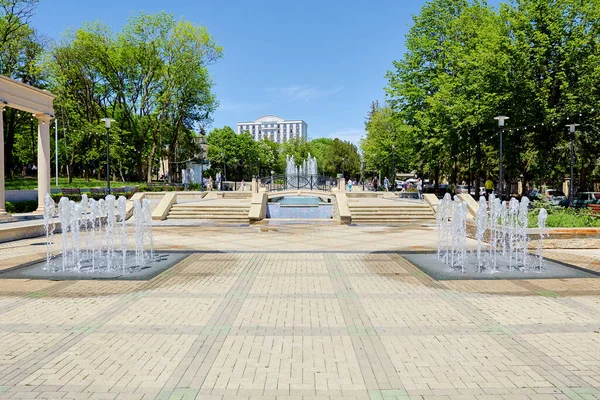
[(559, 217), (57, 196), (21, 206)]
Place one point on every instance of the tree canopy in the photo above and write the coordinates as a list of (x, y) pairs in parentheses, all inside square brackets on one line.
[(535, 61)]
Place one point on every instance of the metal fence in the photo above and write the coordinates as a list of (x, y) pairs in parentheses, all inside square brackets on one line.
[(290, 182)]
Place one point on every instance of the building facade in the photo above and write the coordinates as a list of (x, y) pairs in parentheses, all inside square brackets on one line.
[(274, 128)]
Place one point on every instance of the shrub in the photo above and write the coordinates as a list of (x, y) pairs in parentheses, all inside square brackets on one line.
[(559, 217), (57, 196), (21, 206)]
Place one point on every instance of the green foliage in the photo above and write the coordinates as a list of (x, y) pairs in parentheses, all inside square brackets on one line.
[(465, 63), (243, 157), (561, 217), (151, 78), (388, 143), (342, 157), (21, 206), (63, 183)]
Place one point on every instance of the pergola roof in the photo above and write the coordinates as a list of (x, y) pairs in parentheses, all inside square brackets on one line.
[(24, 97)]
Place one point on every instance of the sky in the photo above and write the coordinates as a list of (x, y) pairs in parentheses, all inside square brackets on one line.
[(320, 61)]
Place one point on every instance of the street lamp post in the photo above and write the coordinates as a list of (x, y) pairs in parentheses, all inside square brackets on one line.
[(258, 169), (500, 119), (107, 122), (343, 171), (393, 168), (362, 173), (572, 135)]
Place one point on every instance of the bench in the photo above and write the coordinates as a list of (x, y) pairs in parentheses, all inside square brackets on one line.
[(70, 191), (118, 190), (97, 190), (595, 208)]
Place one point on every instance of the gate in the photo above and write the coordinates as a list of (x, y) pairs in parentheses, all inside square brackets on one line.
[(290, 182)]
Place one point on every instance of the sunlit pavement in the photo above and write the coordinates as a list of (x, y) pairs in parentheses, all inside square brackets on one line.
[(298, 311)]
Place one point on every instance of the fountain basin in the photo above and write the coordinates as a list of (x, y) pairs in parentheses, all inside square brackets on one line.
[(162, 261), (438, 270)]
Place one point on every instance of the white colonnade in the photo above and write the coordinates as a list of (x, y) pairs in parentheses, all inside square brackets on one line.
[(39, 103)]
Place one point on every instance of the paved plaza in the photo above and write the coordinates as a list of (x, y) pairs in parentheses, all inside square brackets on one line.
[(298, 312)]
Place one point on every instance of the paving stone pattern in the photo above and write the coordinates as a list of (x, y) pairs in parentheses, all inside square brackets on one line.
[(299, 326)]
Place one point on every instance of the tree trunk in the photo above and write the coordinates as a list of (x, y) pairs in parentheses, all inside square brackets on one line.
[(9, 142), (151, 161)]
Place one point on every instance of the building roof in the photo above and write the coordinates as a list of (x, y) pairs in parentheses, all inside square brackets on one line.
[(269, 118)]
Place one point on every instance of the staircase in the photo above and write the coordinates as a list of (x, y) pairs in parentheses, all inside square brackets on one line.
[(219, 213), (391, 213)]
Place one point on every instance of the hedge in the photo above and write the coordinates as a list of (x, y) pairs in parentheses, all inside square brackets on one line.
[(21, 206), (96, 196)]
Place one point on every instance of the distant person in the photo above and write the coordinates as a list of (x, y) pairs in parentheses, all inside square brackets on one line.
[(350, 185), (210, 183), (185, 178), (489, 187), (243, 186), (386, 184), (375, 183), (420, 188)]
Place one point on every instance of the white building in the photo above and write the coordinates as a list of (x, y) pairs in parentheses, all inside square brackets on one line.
[(274, 128)]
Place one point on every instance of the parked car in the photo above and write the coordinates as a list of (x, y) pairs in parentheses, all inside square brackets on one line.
[(553, 195), (581, 199), (460, 189)]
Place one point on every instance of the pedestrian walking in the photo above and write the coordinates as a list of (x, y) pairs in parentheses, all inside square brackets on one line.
[(420, 188), (386, 184)]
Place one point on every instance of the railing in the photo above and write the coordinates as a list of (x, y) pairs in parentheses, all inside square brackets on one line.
[(290, 182)]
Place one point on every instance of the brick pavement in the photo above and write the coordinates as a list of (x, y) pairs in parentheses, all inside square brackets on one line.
[(302, 325)]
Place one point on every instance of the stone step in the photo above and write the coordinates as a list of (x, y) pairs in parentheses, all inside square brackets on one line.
[(387, 220), (391, 212), (209, 217), (389, 207), (211, 210), (225, 214), (395, 212), (392, 221), (194, 207)]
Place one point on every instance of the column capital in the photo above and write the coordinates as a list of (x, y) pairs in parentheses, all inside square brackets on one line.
[(43, 117)]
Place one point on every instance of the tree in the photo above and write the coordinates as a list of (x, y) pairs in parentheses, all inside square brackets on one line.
[(467, 63), (343, 157), (151, 77), (384, 130)]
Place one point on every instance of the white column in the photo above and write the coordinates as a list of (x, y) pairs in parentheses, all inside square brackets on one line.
[(43, 163), (3, 213)]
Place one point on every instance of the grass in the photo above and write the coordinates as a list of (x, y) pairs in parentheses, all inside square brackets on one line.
[(30, 183), (559, 217)]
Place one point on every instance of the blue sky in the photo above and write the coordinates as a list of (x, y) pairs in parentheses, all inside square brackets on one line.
[(320, 61)]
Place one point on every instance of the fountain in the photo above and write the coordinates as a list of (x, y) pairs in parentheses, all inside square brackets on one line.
[(505, 226), (299, 177), (94, 242)]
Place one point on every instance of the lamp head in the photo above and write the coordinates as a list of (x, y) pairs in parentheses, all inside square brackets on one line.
[(572, 127), (107, 122), (501, 119)]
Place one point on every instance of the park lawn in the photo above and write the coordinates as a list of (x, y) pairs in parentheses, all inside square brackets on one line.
[(566, 218), (30, 183)]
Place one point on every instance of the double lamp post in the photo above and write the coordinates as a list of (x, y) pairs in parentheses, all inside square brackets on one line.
[(107, 122), (501, 119)]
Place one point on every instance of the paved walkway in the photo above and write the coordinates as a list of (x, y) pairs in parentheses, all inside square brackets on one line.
[(302, 318)]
